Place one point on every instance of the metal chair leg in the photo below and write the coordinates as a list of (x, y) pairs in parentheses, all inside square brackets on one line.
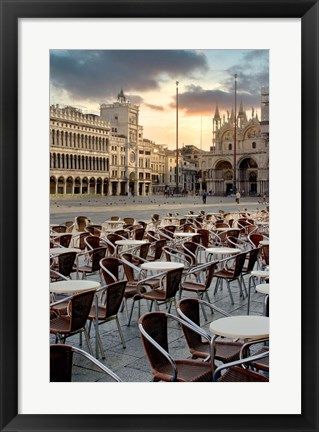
[(229, 292), (120, 331)]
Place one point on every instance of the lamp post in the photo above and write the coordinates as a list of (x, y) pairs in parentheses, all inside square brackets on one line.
[(177, 137), (235, 139)]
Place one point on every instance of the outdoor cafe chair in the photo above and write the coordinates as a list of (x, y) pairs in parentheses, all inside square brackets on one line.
[(94, 242), (63, 264), (133, 275), (224, 351), (81, 222), (232, 273), (156, 250), (64, 240), (108, 300), (92, 264), (74, 320), (153, 327), (188, 283), (61, 363), (169, 283), (209, 238)]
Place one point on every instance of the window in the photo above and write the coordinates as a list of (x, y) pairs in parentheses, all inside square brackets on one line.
[(230, 146), (253, 145)]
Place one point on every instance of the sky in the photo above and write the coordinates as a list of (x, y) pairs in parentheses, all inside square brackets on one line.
[(86, 78)]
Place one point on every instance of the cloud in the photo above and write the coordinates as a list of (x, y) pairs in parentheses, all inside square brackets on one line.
[(155, 107), (197, 100), (99, 75)]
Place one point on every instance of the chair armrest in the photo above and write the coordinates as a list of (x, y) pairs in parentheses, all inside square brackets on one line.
[(250, 359)]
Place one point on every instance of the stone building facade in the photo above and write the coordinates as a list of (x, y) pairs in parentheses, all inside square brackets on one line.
[(108, 155), (79, 160), (252, 153)]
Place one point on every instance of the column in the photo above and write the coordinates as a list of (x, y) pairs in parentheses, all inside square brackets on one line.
[(64, 188), (56, 187), (118, 188), (143, 188), (109, 188)]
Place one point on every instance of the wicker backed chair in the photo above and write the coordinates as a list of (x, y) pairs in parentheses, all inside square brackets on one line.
[(78, 309), (61, 363), (138, 233), (235, 372), (255, 238), (153, 328), (129, 220), (156, 220), (64, 240), (209, 238), (94, 230), (110, 240), (225, 351), (195, 286), (92, 264), (231, 274), (63, 265), (94, 242), (169, 283), (133, 275), (81, 222), (106, 309), (156, 250)]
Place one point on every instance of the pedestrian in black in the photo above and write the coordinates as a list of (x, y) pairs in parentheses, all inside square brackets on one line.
[(204, 196)]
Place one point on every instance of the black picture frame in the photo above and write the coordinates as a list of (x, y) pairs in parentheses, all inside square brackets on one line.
[(11, 11)]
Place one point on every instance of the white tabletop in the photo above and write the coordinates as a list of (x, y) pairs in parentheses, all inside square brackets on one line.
[(260, 273), (264, 242), (72, 286), (184, 234), (243, 327), (191, 215), (129, 242), (59, 250), (263, 288), (161, 265), (222, 229), (114, 222), (223, 250)]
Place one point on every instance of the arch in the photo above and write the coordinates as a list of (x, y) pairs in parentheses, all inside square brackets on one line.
[(69, 185), (77, 185), (53, 185), (99, 185)]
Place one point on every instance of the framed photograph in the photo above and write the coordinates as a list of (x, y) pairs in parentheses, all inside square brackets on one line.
[(30, 31)]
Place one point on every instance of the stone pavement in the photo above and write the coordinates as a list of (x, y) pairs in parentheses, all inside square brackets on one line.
[(131, 364)]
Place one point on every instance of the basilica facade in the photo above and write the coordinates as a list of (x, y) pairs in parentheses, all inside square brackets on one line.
[(248, 164)]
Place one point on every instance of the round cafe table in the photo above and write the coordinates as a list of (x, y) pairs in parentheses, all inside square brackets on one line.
[(59, 250), (264, 242), (72, 286), (129, 242), (242, 327), (161, 265), (222, 251)]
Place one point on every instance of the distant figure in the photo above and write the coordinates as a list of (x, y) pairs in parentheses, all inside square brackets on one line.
[(238, 197), (204, 196)]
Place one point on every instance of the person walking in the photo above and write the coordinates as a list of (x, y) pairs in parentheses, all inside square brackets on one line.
[(204, 196), (238, 197)]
